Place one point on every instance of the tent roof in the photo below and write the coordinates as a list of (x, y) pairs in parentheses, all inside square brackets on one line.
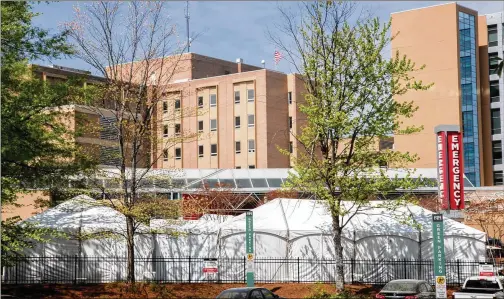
[(81, 211), (292, 218)]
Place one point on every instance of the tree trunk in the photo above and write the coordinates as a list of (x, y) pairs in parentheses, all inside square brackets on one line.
[(338, 248), (131, 249)]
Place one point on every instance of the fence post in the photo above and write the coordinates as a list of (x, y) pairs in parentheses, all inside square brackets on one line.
[(189, 269), (458, 272), (17, 263), (405, 268), (75, 269), (352, 265), (244, 270), (298, 270)]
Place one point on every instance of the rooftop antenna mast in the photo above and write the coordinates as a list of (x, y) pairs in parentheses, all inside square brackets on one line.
[(187, 27)]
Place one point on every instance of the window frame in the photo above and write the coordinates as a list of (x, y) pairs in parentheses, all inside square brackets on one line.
[(201, 126), (496, 144), (289, 97), (214, 95), (237, 126), (251, 167), (251, 150), (178, 129), (165, 130), (290, 122), (493, 29), (237, 92), (501, 174), (248, 95), (495, 84), (251, 125), (165, 107), (165, 155), (201, 102), (178, 157), (213, 129), (237, 147), (212, 154), (291, 147), (177, 103), (201, 151), (495, 130)]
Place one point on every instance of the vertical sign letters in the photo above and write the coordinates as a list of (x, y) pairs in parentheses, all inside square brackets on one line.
[(439, 255), (249, 244)]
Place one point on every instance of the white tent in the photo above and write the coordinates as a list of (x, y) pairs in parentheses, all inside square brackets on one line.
[(303, 228), (284, 230), (299, 228)]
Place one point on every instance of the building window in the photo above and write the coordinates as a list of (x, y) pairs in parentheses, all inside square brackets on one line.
[(289, 97), (238, 167), (165, 107), (498, 180), (177, 104), (213, 100), (467, 123), (497, 152), (200, 102), (492, 36), (165, 131), (200, 151), (251, 146), (468, 86), (237, 122), (213, 125), (496, 122), (237, 147), (200, 126), (251, 120), (165, 155), (291, 148), (494, 91), (178, 153), (290, 122), (493, 63), (251, 166), (213, 150), (237, 97), (250, 95), (177, 129)]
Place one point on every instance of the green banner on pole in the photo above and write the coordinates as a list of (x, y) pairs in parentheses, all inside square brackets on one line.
[(439, 255), (249, 244)]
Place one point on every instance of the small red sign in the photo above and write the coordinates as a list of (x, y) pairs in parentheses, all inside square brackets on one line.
[(210, 270)]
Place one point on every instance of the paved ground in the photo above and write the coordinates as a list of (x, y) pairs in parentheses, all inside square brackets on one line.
[(119, 290)]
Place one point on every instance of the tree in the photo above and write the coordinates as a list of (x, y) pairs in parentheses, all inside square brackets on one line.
[(217, 200), (134, 47), (35, 146), (350, 104), (488, 214)]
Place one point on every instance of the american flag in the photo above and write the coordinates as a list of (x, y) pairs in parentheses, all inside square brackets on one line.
[(278, 56)]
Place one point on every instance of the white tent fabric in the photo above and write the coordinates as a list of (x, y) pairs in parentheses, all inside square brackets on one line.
[(303, 228), (283, 229)]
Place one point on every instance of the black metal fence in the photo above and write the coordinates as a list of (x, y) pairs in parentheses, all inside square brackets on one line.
[(74, 269)]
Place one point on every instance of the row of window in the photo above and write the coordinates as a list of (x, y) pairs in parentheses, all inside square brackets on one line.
[(213, 150), (493, 39), (497, 152), (493, 63), (494, 91), (213, 99), (213, 125), (495, 121), (498, 178)]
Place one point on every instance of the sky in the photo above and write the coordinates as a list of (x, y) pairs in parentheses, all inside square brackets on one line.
[(234, 29)]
